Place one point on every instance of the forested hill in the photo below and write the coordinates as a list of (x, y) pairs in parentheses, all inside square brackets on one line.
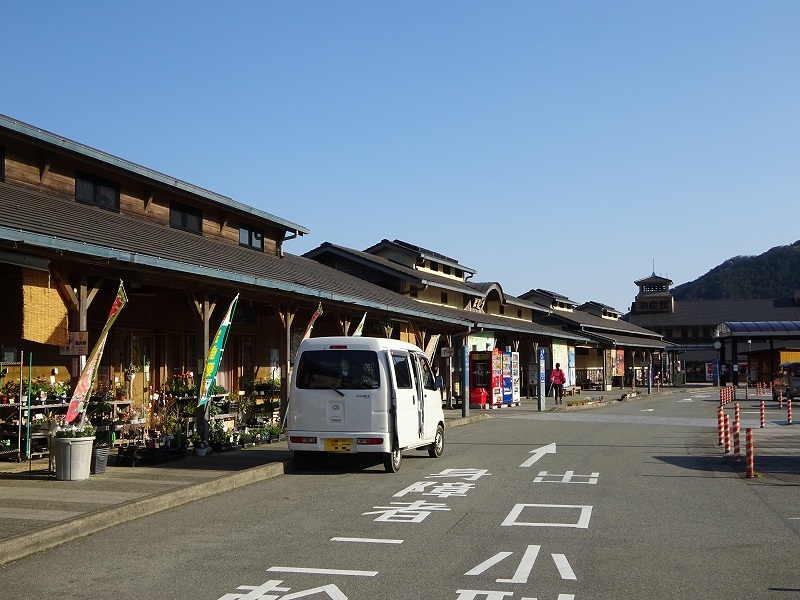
[(774, 274)]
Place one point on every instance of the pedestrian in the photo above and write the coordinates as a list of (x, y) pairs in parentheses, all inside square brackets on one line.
[(558, 379), (438, 381)]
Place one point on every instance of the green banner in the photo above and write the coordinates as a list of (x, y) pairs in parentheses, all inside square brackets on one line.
[(214, 357)]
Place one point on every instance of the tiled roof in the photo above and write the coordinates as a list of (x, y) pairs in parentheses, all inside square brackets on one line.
[(711, 313), (52, 140), (52, 226), (396, 269)]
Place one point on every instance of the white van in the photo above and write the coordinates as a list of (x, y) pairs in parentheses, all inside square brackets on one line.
[(360, 394)]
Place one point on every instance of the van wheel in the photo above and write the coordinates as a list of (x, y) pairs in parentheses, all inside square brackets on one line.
[(391, 461), (436, 448)]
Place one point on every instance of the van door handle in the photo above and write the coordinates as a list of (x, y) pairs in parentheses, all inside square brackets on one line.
[(413, 399)]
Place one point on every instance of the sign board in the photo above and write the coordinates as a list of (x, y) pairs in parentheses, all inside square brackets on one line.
[(542, 383), (78, 344), (447, 352)]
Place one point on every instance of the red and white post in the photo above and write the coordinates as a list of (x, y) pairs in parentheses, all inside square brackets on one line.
[(737, 454), (788, 411), (751, 471), (727, 434), (720, 426), (763, 415), (780, 399)]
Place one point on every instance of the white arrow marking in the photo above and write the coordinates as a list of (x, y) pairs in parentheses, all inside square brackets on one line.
[(539, 453), (686, 400), (647, 410)]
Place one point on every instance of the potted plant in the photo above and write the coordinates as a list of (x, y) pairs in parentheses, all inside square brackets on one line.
[(274, 433), (100, 451), (73, 452), (217, 435)]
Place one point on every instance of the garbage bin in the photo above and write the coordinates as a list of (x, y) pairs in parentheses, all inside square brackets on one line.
[(478, 398)]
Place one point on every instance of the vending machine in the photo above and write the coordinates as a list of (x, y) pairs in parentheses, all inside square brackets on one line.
[(508, 385), (485, 379), (516, 380)]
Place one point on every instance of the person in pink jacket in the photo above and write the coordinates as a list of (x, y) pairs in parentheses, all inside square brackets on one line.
[(558, 379)]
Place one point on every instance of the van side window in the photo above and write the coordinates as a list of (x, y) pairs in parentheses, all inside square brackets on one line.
[(402, 370), (428, 380)]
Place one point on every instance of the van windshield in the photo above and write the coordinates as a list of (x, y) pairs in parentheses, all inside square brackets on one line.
[(338, 369)]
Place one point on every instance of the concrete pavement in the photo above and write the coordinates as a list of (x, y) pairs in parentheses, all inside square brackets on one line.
[(38, 512)]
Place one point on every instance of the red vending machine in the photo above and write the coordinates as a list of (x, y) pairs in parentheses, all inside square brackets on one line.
[(485, 379)]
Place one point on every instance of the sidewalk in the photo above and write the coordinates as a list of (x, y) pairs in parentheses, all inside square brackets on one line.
[(38, 512)]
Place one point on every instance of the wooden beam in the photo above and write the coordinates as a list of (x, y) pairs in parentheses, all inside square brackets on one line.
[(45, 162), (204, 309), (344, 323), (67, 293), (149, 194)]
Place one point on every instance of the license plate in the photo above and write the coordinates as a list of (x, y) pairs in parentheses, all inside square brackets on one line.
[(338, 444)]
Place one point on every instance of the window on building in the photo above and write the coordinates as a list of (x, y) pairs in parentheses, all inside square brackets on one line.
[(414, 293), (695, 332), (519, 313), (668, 332), (446, 269), (97, 191), (458, 273), (706, 332), (185, 217), (444, 297), (684, 332), (502, 309), (434, 266), (251, 237)]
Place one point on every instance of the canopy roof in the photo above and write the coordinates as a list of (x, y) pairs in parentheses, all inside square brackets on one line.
[(758, 329)]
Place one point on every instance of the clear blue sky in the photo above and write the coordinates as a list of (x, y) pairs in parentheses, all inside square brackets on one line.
[(562, 145)]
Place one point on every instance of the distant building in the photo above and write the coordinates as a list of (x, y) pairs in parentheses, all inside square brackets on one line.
[(691, 326)]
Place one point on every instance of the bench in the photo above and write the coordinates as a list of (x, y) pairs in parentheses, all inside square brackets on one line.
[(571, 390)]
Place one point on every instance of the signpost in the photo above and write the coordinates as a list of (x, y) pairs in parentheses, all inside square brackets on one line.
[(542, 357)]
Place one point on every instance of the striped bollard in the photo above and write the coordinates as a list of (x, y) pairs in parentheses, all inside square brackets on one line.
[(727, 434), (737, 454), (736, 413), (763, 416), (788, 411), (751, 471), (720, 426), (746, 388), (780, 399), (721, 401)]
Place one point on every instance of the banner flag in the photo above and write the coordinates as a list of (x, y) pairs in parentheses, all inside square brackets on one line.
[(430, 349), (314, 317), (215, 352), (360, 329), (77, 405)]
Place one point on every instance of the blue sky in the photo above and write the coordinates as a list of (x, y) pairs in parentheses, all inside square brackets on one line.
[(563, 145)]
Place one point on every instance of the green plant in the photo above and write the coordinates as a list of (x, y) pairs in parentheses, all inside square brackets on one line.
[(217, 434), (75, 432)]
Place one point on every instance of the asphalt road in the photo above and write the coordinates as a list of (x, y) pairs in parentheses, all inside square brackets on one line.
[(629, 501)]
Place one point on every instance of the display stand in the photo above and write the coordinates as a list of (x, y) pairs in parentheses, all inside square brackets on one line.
[(18, 409)]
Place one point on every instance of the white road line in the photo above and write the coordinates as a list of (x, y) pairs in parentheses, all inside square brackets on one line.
[(322, 571), (564, 568), (366, 540)]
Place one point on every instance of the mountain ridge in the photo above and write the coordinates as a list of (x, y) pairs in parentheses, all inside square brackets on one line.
[(773, 274)]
